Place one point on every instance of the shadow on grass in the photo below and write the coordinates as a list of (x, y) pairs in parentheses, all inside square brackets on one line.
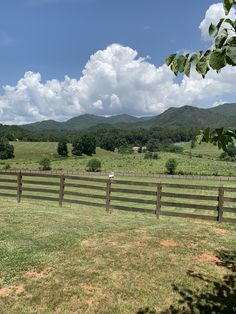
[(219, 299)]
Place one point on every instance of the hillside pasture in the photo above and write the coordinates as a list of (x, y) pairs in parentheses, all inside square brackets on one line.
[(203, 160)]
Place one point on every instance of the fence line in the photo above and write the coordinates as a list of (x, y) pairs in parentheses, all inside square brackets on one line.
[(125, 174), (149, 197)]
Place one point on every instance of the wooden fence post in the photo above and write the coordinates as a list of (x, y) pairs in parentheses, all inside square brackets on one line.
[(158, 200), (220, 203), (62, 189), (108, 195), (19, 187)]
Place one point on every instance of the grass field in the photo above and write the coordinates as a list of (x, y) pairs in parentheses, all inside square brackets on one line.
[(204, 160), (81, 260)]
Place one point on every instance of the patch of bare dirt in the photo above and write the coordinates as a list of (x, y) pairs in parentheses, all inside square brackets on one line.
[(208, 257), (39, 274), (94, 295), (122, 240), (168, 243), (12, 289), (220, 231)]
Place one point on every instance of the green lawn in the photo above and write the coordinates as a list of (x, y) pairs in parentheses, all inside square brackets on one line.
[(78, 259), (204, 160)]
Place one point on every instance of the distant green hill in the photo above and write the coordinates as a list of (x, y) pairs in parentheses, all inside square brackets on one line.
[(182, 117), (192, 117), (228, 109), (85, 121)]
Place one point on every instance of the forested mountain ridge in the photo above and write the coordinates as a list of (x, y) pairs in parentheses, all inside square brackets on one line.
[(185, 116)]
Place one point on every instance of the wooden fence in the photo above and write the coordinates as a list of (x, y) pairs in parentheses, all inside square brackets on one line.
[(168, 199)]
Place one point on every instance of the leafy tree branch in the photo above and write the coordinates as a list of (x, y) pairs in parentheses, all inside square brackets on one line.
[(223, 53)]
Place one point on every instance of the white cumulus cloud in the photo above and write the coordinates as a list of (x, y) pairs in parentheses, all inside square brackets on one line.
[(115, 80), (214, 13)]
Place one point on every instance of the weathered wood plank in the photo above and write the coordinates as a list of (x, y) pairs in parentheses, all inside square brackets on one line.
[(8, 195), (190, 196), (37, 197), (220, 203), (5, 187), (85, 186), (41, 175), (85, 194), (39, 182), (7, 180), (125, 182), (19, 187), (86, 179), (61, 189), (39, 190), (133, 209), (190, 206), (229, 210), (83, 203), (190, 186), (108, 195), (187, 215), (233, 220), (158, 200), (230, 199), (132, 200), (129, 191), (229, 189)]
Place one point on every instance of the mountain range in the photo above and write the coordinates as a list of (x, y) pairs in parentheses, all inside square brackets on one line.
[(181, 117)]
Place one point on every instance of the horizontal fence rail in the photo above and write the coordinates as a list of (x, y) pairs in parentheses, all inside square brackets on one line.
[(215, 203)]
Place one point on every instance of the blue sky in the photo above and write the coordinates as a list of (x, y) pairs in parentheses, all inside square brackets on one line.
[(42, 41)]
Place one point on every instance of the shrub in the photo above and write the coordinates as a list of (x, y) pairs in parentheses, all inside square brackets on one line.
[(6, 149), (155, 156), (193, 144), (171, 166), (45, 164), (94, 165), (7, 166), (77, 147), (62, 149), (125, 150), (148, 155)]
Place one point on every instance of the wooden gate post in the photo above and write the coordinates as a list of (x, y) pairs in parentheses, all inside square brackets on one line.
[(108, 195), (62, 189), (220, 203), (158, 200), (19, 187)]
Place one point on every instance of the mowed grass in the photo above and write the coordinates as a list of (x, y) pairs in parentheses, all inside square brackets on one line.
[(78, 259), (204, 160)]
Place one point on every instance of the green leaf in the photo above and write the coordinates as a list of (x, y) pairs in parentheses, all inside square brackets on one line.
[(230, 22), (194, 59), (174, 68), (199, 54), (217, 59), (232, 41), (228, 5), (207, 53), (181, 60), (170, 59), (231, 54), (202, 66), (213, 30), (220, 23), (187, 68), (219, 41)]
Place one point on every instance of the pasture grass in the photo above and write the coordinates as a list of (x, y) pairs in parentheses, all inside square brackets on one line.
[(203, 160), (78, 259)]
